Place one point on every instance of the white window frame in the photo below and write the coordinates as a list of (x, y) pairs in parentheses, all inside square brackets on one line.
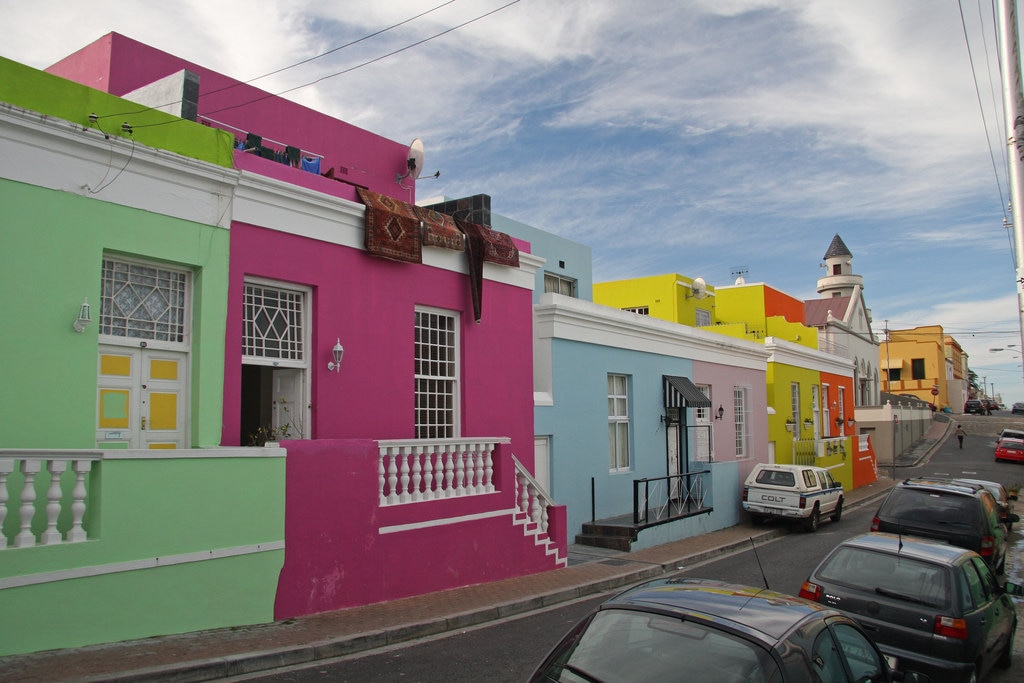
[(560, 283), (741, 418), (794, 404), (826, 411), (842, 404), (702, 317), (618, 423), (106, 334), (299, 359), (702, 420), (443, 373)]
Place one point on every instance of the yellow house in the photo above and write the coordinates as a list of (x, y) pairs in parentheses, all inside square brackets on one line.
[(673, 297), (922, 361)]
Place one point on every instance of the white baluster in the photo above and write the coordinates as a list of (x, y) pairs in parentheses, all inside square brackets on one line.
[(524, 493), (6, 467), (404, 496), (76, 533), (478, 469), (29, 468), (460, 470), (428, 474), (51, 536), (417, 473), (392, 477), (544, 518), (381, 496), (449, 472), (489, 469), (534, 505)]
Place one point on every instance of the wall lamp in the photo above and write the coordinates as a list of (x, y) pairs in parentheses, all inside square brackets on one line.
[(719, 412), (84, 316), (336, 353)]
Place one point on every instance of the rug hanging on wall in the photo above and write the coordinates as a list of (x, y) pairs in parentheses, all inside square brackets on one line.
[(392, 228), (484, 244), (439, 230)]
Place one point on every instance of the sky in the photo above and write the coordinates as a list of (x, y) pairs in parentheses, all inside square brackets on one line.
[(701, 137)]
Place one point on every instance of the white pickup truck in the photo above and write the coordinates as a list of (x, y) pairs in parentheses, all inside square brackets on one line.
[(794, 492)]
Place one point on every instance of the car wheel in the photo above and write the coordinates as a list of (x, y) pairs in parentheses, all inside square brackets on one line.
[(1006, 656), (812, 523), (837, 514)]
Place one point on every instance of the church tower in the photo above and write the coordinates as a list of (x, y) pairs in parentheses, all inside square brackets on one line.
[(839, 280)]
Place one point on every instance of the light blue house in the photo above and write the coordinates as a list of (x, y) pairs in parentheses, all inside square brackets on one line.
[(628, 437)]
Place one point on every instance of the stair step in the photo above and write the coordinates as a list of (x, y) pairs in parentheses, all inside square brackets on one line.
[(616, 542)]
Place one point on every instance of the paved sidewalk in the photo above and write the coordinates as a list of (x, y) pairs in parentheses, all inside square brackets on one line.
[(209, 655)]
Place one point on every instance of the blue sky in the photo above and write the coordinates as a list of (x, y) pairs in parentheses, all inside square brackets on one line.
[(697, 137)]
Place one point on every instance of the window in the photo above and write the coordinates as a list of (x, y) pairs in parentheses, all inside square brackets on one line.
[(436, 373), (703, 317), (274, 323), (143, 302), (794, 401), (739, 411), (559, 284), (639, 310), (894, 374), (917, 368), (842, 403), (703, 441), (826, 410), (618, 422)]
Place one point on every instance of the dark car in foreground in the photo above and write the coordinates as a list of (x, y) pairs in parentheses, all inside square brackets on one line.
[(958, 512), (682, 629), (1003, 499), (936, 608)]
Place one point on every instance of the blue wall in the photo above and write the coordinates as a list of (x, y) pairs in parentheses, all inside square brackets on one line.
[(564, 257)]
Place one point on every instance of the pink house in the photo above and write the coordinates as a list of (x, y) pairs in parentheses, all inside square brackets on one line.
[(400, 383)]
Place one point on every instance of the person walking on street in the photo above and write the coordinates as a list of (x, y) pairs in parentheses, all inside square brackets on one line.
[(960, 434)]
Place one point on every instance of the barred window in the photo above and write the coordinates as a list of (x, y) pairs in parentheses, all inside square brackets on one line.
[(618, 422), (144, 301), (702, 317), (639, 310), (273, 323), (437, 374)]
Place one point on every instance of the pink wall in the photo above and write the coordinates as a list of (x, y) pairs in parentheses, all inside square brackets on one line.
[(118, 64), (369, 303), (722, 379), (336, 557)]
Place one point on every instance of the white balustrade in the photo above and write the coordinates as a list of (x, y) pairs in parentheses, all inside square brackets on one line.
[(530, 498), (19, 471), (419, 471)]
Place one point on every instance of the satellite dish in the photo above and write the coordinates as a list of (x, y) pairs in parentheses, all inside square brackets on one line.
[(740, 281), (413, 161), (699, 287)]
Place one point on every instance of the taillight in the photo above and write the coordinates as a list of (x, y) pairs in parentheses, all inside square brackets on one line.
[(810, 591), (803, 503), (988, 545), (875, 523), (745, 489), (950, 627)]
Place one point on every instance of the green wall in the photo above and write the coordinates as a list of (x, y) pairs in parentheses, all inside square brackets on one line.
[(51, 258), (146, 509), (60, 98)]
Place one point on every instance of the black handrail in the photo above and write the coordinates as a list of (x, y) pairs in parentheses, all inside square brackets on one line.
[(678, 496)]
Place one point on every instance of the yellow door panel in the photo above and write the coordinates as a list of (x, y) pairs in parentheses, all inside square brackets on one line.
[(114, 409), (163, 410), (112, 364), (163, 369), (162, 446)]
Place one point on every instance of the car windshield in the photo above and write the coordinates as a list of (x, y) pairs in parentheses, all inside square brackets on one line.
[(626, 645), (893, 575), (909, 505), (1012, 445), (776, 477)]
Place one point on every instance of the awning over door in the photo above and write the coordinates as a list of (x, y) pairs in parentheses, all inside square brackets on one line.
[(892, 363), (680, 392)]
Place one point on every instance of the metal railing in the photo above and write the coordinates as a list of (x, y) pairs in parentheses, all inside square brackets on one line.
[(662, 499)]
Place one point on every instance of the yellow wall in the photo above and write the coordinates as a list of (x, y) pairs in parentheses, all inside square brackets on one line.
[(927, 342), (663, 296)]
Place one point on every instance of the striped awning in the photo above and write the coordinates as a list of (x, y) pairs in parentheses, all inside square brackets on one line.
[(680, 392), (892, 363)]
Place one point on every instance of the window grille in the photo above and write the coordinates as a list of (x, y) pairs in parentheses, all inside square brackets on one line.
[(274, 323), (436, 370), (618, 422), (739, 406), (703, 317), (143, 301)]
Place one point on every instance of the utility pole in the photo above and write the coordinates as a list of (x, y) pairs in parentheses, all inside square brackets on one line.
[(1013, 107)]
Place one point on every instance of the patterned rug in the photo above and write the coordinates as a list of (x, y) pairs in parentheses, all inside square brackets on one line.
[(484, 244), (392, 228), (439, 230)]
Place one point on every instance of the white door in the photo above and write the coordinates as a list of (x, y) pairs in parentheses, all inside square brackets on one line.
[(542, 461), (675, 460), (141, 398), (289, 409)]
